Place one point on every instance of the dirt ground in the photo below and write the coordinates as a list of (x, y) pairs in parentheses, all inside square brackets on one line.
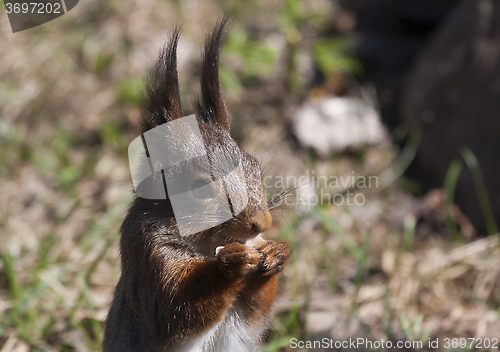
[(387, 268)]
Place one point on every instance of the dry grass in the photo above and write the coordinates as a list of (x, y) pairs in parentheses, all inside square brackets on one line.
[(68, 109)]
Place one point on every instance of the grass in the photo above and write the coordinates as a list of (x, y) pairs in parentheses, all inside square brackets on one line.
[(29, 314), (69, 115), (482, 193), (450, 184)]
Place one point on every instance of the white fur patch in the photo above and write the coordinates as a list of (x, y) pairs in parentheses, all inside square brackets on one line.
[(230, 335)]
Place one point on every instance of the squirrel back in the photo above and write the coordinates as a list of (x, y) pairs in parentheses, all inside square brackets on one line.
[(209, 290)]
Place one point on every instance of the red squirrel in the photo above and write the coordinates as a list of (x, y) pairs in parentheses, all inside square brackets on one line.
[(212, 290)]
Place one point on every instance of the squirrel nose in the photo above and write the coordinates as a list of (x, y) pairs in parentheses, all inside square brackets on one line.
[(261, 221)]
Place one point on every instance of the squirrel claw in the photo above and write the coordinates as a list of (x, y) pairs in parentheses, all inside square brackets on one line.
[(237, 259), (276, 256)]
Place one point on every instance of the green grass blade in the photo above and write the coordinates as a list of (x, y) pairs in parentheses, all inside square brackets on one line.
[(22, 306), (16, 291), (482, 192), (332, 226), (409, 231), (404, 160), (450, 185)]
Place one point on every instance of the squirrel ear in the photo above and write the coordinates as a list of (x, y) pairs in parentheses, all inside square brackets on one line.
[(213, 103), (161, 99)]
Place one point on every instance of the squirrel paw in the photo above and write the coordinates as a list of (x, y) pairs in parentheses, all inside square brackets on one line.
[(236, 259), (275, 256)]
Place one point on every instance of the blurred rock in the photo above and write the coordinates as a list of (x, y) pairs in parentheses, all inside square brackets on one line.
[(338, 124), (453, 95)]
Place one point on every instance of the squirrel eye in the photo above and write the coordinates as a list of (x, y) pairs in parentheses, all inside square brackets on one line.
[(200, 191)]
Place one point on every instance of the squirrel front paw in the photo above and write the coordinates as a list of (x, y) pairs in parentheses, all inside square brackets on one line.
[(275, 256), (236, 259)]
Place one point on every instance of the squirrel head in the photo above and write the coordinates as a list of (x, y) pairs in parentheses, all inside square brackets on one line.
[(162, 104)]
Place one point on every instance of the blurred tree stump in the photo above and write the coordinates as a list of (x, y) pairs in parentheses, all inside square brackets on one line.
[(453, 95)]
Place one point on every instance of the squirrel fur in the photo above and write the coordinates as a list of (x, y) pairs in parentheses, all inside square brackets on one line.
[(178, 293)]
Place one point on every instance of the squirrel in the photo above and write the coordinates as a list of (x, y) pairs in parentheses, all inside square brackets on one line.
[(211, 290)]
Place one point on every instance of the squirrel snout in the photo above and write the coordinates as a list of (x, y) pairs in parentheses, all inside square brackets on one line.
[(261, 221)]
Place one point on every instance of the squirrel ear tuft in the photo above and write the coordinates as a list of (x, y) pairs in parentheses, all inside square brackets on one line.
[(161, 99), (213, 106)]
